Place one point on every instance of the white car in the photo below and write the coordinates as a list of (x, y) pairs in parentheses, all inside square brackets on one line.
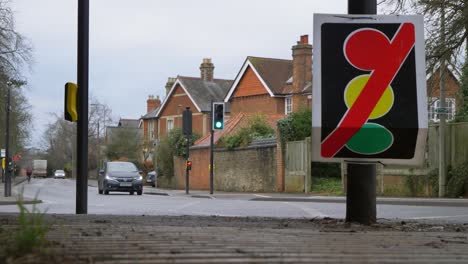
[(59, 174)]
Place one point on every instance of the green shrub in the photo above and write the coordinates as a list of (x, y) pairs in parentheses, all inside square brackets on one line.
[(457, 184), (257, 128), (331, 186), (296, 126), (175, 144), (323, 170)]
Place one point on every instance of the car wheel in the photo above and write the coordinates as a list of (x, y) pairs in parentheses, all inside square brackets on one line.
[(99, 191), (106, 192), (139, 192), (132, 193)]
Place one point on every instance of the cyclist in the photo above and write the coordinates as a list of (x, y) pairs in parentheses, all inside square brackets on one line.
[(28, 173)]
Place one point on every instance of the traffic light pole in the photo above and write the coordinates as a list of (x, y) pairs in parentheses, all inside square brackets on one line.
[(361, 177), (187, 176), (82, 127), (211, 159), (187, 131), (211, 148)]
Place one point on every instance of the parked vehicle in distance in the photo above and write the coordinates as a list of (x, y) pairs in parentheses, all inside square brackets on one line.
[(120, 176), (59, 174), (39, 168), (152, 178)]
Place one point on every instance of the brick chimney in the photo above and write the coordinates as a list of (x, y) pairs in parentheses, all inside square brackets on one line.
[(206, 70), (152, 103), (169, 83), (302, 63)]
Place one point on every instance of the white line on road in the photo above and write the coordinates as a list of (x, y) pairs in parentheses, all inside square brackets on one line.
[(309, 211), (263, 196), (437, 217), (184, 206)]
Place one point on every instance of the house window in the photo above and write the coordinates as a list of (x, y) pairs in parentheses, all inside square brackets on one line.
[(169, 124), (151, 129), (288, 105), (435, 110)]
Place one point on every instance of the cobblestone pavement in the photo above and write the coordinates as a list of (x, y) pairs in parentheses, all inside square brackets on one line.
[(191, 239)]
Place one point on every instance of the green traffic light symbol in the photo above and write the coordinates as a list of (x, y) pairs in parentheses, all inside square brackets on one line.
[(218, 124)]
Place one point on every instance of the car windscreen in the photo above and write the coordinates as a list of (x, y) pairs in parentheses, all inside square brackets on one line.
[(59, 171), (121, 167)]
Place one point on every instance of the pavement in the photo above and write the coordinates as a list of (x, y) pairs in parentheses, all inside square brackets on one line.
[(13, 199), (211, 239)]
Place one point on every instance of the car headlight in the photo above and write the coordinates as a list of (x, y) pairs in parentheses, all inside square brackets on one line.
[(109, 178), (138, 178)]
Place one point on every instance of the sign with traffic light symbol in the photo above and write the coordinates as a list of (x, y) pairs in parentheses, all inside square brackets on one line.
[(369, 91), (218, 116)]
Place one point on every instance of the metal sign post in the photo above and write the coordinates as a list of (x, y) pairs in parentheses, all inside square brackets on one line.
[(369, 97), (82, 127)]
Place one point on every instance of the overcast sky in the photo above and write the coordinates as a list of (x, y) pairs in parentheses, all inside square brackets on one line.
[(136, 44)]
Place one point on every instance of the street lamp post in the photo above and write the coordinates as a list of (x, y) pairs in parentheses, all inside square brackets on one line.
[(7, 144)]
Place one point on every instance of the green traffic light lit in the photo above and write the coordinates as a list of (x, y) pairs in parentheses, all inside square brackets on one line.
[(218, 124)]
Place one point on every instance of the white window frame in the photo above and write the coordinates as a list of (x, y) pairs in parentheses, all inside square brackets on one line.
[(288, 105), (434, 103), (169, 124), (151, 129)]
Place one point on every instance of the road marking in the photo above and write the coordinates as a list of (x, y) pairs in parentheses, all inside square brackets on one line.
[(263, 196), (184, 206), (437, 217), (310, 211)]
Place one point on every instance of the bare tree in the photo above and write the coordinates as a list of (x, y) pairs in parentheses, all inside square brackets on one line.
[(15, 50), (59, 139), (455, 33)]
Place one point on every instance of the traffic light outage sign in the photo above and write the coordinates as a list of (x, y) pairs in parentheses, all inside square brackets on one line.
[(369, 91)]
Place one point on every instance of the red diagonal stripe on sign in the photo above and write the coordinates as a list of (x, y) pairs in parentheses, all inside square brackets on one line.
[(384, 64)]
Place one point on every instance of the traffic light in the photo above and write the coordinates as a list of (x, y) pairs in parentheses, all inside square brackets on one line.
[(189, 164), (71, 102), (218, 116)]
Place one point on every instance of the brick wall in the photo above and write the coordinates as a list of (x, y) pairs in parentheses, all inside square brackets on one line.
[(257, 103), (251, 169), (199, 175)]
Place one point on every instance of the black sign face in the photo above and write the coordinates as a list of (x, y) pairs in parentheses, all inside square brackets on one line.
[(369, 106)]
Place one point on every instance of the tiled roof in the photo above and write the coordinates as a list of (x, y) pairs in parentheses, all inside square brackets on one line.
[(129, 123), (151, 114), (203, 92), (275, 72)]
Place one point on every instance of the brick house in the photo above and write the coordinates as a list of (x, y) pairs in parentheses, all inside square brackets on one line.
[(149, 121), (453, 97), (196, 93), (274, 86), (182, 92)]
